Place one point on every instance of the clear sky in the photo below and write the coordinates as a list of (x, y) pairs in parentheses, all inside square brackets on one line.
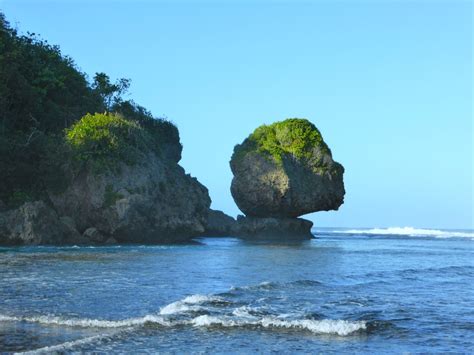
[(388, 83)]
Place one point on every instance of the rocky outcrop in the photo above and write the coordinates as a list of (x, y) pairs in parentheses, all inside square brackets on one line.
[(36, 223), (153, 201), (284, 182), (150, 202), (220, 225), (271, 228), (283, 171), (257, 228)]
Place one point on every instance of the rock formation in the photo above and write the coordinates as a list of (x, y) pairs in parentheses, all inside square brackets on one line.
[(36, 223), (151, 202), (219, 225), (283, 171)]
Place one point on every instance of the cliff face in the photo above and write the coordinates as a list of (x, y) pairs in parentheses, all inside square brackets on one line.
[(154, 201), (151, 202)]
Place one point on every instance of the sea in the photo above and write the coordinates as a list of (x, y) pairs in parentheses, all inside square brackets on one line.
[(365, 290)]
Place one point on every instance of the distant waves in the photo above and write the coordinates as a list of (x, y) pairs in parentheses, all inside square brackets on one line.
[(399, 231)]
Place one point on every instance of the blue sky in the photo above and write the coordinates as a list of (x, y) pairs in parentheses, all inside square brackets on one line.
[(388, 83)]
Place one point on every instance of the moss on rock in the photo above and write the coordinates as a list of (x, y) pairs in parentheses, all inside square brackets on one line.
[(296, 137)]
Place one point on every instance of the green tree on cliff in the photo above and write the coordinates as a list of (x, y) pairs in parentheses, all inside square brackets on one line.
[(42, 92)]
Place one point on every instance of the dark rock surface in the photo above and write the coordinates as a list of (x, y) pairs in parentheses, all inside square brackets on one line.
[(271, 228), (36, 223), (154, 201), (256, 228), (219, 224), (94, 236), (151, 202)]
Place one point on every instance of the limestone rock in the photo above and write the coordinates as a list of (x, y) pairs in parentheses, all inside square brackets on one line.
[(93, 235), (219, 224), (286, 170), (35, 223), (153, 201), (288, 229)]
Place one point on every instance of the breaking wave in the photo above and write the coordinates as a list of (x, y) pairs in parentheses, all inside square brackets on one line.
[(190, 304), (87, 323), (325, 326), (237, 320), (404, 231), (212, 311)]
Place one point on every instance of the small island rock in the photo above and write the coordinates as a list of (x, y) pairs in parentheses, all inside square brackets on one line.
[(286, 170)]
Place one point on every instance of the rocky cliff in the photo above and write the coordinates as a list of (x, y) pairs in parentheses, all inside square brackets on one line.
[(122, 184), (154, 201), (151, 202)]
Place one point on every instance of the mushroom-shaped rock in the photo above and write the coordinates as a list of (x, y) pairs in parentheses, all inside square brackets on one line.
[(286, 170)]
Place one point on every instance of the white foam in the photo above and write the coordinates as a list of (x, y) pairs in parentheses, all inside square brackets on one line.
[(408, 231), (88, 323), (188, 304), (244, 312), (325, 326), (225, 317)]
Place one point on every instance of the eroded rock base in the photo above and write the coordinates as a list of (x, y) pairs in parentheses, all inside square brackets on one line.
[(287, 229)]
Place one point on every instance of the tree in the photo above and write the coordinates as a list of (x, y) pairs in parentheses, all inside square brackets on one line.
[(111, 94)]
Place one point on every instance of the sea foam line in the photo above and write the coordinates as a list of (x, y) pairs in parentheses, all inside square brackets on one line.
[(88, 323), (190, 303), (324, 326), (405, 231)]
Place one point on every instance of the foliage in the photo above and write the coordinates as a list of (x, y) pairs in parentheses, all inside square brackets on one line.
[(294, 136), (40, 88), (164, 134), (42, 93), (111, 94), (107, 139)]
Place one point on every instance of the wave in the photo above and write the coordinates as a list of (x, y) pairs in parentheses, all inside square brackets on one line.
[(404, 231), (87, 323), (325, 326), (208, 311), (190, 304), (268, 285), (238, 320), (66, 345)]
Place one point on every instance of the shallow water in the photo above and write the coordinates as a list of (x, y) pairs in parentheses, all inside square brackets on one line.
[(396, 290)]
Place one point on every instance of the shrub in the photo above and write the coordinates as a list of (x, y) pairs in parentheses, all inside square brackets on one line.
[(294, 136), (107, 139)]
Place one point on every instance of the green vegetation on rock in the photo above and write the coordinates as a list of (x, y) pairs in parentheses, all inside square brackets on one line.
[(42, 94), (294, 136), (107, 139)]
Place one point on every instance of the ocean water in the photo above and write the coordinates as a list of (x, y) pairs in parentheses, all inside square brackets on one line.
[(360, 290)]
